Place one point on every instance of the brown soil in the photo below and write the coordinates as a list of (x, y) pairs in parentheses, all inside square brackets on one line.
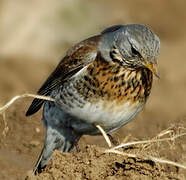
[(23, 141), (93, 163)]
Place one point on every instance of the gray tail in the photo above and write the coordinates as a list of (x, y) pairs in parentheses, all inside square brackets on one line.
[(38, 168), (62, 139)]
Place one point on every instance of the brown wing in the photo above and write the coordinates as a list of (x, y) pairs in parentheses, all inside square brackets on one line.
[(76, 58)]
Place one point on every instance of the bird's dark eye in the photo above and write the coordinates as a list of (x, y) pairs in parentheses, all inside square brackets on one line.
[(135, 52)]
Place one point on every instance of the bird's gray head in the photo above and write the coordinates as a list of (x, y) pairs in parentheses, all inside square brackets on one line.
[(133, 46)]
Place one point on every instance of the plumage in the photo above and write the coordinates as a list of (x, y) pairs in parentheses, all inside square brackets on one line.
[(103, 80), (75, 59)]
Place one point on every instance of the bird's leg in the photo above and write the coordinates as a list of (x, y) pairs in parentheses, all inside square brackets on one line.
[(76, 145), (113, 140), (76, 141)]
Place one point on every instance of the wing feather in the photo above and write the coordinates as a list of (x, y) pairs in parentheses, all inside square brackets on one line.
[(76, 58)]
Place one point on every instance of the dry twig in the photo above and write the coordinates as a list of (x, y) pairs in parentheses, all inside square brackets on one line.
[(149, 141), (104, 135), (155, 159), (6, 106)]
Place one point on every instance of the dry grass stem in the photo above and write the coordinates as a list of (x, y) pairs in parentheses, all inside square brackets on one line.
[(155, 159), (159, 160), (6, 128), (104, 135), (121, 153), (163, 133), (149, 141), (168, 131), (6, 106)]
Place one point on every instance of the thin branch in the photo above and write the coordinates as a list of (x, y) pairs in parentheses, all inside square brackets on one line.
[(6, 106), (6, 128), (104, 135), (121, 153), (159, 160), (149, 141), (165, 161)]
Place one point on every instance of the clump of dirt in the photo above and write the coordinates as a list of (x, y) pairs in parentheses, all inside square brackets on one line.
[(93, 163)]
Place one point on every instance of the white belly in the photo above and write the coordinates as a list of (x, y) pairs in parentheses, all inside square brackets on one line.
[(110, 116)]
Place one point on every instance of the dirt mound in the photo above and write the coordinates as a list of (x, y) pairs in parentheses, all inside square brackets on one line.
[(93, 163)]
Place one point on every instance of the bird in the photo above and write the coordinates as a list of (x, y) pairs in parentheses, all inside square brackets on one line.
[(104, 80)]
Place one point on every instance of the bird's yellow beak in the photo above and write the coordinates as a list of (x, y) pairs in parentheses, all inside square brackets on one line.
[(153, 67)]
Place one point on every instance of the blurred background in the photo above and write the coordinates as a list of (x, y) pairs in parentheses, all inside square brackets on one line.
[(34, 36)]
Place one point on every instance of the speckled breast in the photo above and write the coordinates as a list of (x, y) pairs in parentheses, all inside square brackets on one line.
[(106, 94)]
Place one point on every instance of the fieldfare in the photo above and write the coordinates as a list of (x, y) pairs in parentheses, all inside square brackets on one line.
[(104, 80)]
